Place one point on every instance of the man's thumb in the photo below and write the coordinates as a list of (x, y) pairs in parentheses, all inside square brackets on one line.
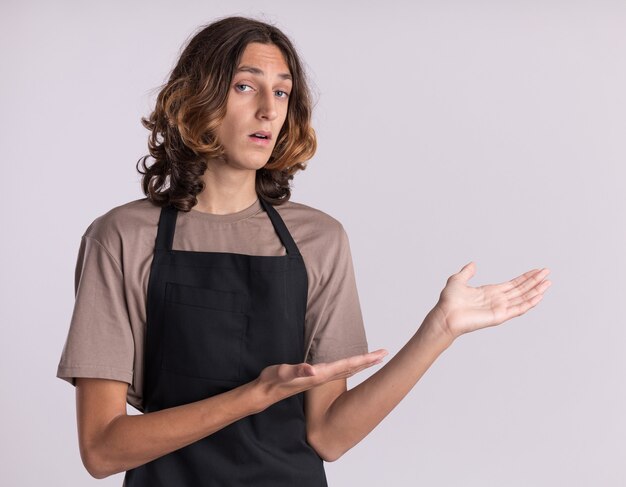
[(467, 272)]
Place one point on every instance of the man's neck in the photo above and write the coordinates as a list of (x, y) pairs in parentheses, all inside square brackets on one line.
[(226, 190)]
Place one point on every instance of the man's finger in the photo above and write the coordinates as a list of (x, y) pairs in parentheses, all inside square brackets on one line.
[(352, 362), (513, 283), (306, 370), (521, 308), (348, 367), (527, 284), (528, 295)]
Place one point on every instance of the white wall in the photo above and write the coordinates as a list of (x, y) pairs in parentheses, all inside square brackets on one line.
[(448, 132)]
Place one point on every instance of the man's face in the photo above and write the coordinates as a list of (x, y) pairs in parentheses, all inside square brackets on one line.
[(258, 100)]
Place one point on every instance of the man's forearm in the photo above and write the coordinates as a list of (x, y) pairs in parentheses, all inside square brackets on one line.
[(356, 412), (133, 440)]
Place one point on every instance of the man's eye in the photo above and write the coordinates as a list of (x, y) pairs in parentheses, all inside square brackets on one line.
[(284, 93), (237, 86)]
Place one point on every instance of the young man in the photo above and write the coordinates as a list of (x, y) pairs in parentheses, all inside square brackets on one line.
[(227, 313)]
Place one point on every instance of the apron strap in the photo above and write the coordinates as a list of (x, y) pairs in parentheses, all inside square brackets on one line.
[(167, 224), (281, 229)]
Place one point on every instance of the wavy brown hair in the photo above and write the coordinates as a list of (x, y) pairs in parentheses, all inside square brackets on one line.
[(192, 104)]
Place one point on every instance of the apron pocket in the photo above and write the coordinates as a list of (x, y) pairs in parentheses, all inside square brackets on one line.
[(204, 331)]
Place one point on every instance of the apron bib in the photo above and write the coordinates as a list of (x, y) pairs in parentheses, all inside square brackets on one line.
[(215, 320)]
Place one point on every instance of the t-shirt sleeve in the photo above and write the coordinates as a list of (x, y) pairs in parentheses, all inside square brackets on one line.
[(334, 310), (99, 342)]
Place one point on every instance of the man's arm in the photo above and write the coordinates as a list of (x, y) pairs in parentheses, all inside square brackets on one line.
[(338, 419), (111, 441)]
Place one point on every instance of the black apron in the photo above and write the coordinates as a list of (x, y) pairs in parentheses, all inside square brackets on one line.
[(214, 321)]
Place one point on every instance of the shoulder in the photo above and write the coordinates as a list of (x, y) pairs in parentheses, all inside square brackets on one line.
[(125, 225), (319, 235), (305, 218)]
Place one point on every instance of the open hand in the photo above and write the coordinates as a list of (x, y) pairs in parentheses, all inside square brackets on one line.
[(462, 308), (283, 380)]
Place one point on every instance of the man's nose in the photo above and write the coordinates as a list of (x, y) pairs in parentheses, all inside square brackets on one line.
[(267, 105)]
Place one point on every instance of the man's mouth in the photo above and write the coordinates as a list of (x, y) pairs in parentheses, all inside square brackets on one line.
[(262, 135)]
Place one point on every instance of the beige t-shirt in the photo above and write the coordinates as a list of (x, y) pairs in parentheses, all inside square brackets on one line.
[(107, 329)]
